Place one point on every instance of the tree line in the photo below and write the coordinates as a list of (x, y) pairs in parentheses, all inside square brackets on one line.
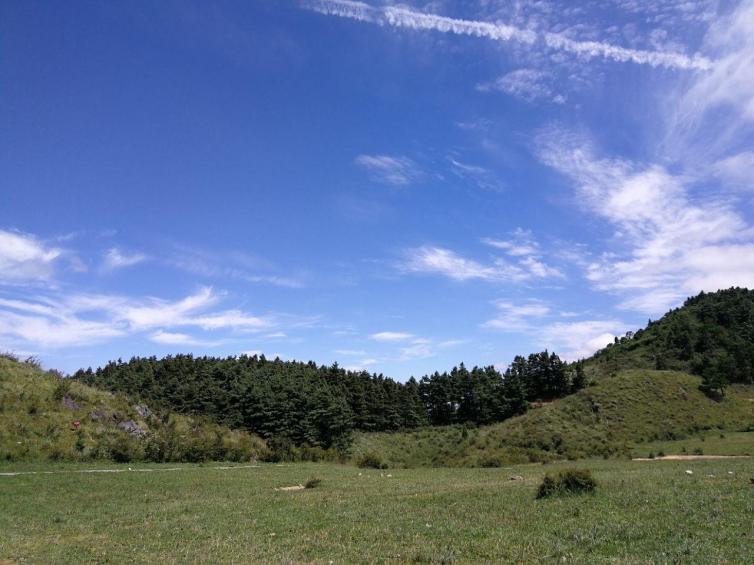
[(322, 406)]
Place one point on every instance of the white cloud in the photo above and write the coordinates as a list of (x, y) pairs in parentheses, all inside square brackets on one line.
[(402, 17), (418, 349), (391, 336), (736, 171), (666, 246), (24, 258), (48, 329), (731, 80), (116, 259), (576, 340), (530, 85), (393, 170), (515, 317), (173, 338), (521, 245), (350, 352), (85, 319), (710, 119), (441, 261)]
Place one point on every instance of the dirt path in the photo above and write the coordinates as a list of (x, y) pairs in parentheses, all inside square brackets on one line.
[(690, 457), (128, 470)]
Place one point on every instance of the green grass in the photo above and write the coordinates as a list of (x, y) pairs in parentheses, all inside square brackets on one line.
[(728, 443), (605, 420), (640, 512)]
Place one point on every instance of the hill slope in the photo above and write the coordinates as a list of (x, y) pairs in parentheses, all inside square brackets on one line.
[(45, 417), (603, 420), (710, 332)]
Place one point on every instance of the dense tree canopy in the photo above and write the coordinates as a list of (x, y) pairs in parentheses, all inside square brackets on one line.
[(320, 405)]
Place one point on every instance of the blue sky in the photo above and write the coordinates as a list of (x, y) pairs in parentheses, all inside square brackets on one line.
[(396, 187)]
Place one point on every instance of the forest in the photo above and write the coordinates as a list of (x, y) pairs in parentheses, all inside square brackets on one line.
[(321, 406)]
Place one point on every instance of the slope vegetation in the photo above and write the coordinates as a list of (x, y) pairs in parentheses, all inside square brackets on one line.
[(604, 420), (711, 335), (43, 416)]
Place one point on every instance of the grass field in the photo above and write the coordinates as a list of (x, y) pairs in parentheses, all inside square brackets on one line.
[(729, 443), (641, 512)]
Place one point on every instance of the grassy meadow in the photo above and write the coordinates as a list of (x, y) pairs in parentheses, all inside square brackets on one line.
[(642, 512)]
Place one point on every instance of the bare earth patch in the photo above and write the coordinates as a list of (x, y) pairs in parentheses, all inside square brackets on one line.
[(295, 487), (690, 457)]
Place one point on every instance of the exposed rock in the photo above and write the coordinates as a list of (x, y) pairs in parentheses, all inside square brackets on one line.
[(143, 410), (97, 416), (515, 478), (70, 403), (132, 428)]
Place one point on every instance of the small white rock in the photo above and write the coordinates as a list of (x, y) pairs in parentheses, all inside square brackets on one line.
[(689, 472)]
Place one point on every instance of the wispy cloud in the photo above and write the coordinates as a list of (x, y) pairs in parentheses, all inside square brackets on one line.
[(576, 340), (223, 265), (530, 85), (85, 319), (117, 259), (174, 338), (24, 258), (515, 317), (387, 169), (448, 263), (522, 244), (480, 176), (402, 17), (391, 336), (666, 245)]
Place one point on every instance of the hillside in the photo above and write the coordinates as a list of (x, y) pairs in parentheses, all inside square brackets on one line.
[(712, 334), (43, 416), (603, 420)]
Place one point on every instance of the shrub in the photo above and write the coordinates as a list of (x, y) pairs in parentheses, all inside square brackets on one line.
[(62, 388), (281, 450), (371, 461), (488, 460), (312, 483), (698, 451), (567, 482)]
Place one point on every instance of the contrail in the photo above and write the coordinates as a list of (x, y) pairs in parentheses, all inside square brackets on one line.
[(407, 18)]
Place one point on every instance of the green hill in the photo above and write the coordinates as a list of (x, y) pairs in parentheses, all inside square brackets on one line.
[(712, 334), (604, 420), (43, 416)]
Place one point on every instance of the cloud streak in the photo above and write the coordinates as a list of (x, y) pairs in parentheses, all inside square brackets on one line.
[(402, 17)]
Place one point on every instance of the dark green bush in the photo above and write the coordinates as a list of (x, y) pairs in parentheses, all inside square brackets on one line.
[(488, 460), (371, 461), (567, 482), (312, 483)]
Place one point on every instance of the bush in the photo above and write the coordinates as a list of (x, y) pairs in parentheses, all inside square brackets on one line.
[(488, 460), (371, 461), (312, 483), (567, 482), (62, 388)]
